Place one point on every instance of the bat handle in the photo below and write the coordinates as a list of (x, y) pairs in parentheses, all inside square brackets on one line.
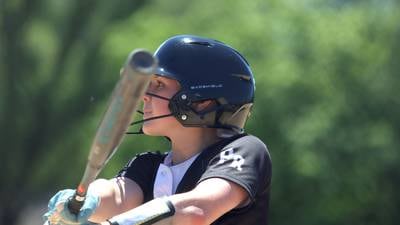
[(75, 203)]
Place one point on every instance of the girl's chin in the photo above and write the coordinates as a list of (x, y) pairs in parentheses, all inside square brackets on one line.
[(148, 129)]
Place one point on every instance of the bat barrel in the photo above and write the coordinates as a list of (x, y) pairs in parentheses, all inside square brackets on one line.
[(142, 61), (129, 90)]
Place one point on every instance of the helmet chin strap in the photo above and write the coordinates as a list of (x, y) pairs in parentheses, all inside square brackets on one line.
[(151, 118)]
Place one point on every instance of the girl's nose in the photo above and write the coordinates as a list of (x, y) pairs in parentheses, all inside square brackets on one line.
[(146, 97)]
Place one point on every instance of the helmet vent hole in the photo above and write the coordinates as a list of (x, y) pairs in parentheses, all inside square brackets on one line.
[(204, 43)]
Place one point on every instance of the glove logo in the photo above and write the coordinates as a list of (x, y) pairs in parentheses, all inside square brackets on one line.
[(229, 155)]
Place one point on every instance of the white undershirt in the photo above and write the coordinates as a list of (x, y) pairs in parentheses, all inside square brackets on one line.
[(169, 176)]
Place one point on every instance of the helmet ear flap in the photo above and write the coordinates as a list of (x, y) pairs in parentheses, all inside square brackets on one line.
[(188, 114), (236, 118), (180, 105), (219, 115)]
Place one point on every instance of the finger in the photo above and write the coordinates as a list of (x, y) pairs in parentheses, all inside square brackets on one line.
[(53, 219)]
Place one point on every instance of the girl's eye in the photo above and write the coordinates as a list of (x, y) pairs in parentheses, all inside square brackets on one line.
[(156, 85), (159, 85)]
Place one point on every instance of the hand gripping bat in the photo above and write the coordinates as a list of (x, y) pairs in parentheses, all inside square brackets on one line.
[(135, 76)]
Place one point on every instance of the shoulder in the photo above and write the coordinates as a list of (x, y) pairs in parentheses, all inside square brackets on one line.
[(142, 161), (246, 146), (249, 141), (249, 145), (148, 156)]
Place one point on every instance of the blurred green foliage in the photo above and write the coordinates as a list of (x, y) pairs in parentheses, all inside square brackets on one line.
[(327, 98)]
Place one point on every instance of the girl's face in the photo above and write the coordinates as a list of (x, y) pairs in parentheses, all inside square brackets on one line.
[(154, 106)]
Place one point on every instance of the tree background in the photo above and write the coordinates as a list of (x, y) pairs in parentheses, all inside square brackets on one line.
[(327, 98)]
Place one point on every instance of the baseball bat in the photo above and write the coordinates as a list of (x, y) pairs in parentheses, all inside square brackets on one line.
[(135, 76)]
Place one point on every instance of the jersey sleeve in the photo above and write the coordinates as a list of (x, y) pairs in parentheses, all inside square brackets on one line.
[(245, 161), (142, 169)]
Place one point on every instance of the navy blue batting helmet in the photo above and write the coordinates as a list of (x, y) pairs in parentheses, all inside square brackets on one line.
[(207, 69)]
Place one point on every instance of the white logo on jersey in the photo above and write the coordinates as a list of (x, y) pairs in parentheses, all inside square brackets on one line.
[(237, 160)]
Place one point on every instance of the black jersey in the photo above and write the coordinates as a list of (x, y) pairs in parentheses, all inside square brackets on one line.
[(242, 159)]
